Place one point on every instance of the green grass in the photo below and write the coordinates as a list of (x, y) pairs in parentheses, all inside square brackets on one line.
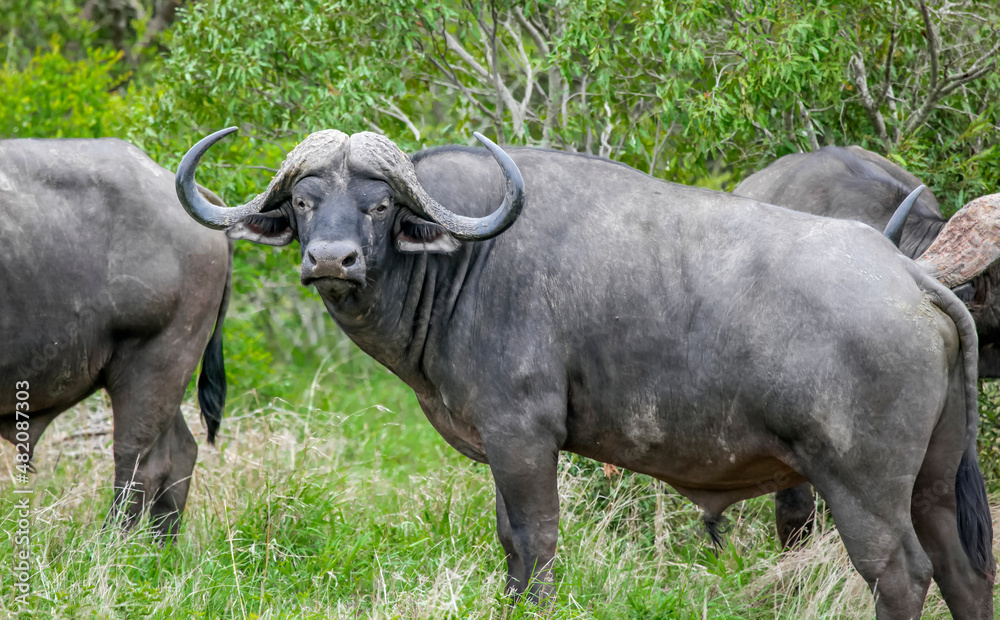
[(340, 501)]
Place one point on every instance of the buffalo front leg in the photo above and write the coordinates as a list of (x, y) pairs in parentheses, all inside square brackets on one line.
[(527, 514)]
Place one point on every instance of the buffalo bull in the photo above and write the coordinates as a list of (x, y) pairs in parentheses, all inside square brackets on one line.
[(855, 184), (105, 282), (724, 346)]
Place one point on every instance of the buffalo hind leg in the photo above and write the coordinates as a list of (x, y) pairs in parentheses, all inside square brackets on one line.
[(153, 449), (794, 513), (179, 450), (160, 482), (967, 591), (875, 526)]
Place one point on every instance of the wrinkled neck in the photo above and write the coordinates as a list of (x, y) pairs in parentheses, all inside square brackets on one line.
[(396, 316)]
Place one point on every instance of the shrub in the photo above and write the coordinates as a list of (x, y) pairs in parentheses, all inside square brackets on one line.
[(54, 97)]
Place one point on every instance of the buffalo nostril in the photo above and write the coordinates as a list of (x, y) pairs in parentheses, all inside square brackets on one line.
[(336, 259)]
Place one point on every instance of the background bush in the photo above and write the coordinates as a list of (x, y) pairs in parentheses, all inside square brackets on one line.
[(55, 97)]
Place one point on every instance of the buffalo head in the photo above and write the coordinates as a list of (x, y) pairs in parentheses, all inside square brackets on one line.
[(350, 201)]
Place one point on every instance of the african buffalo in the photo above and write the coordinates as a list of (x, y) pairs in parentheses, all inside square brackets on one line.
[(852, 183), (724, 346), (105, 282)]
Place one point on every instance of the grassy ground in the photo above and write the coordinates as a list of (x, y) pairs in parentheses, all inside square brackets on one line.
[(342, 502)]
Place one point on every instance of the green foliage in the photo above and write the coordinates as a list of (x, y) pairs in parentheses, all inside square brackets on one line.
[(54, 97), (133, 27), (31, 26), (714, 86), (296, 66), (989, 432), (685, 90)]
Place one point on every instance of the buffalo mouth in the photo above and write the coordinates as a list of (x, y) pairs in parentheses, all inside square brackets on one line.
[(333, 285)]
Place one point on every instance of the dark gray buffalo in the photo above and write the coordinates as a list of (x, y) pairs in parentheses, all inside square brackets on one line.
[(721, 345), (856, 184), (105, 282)]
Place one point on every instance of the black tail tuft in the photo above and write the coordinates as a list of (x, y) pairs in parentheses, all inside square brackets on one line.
[(717, 525), (975, 527), (212, 385)]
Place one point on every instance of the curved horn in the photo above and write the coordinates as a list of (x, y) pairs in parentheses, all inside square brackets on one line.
[(968, 243), (894, 229), (203, 211), (377, 155), (477, 229)]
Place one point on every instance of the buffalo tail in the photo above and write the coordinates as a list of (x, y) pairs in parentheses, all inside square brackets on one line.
[(212, 381), (975, 526)]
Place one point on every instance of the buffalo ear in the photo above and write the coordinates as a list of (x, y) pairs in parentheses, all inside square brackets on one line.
[(270, 228), (415, 234)]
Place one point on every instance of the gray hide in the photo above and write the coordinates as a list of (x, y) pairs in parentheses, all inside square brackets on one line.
[(854, 184)]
